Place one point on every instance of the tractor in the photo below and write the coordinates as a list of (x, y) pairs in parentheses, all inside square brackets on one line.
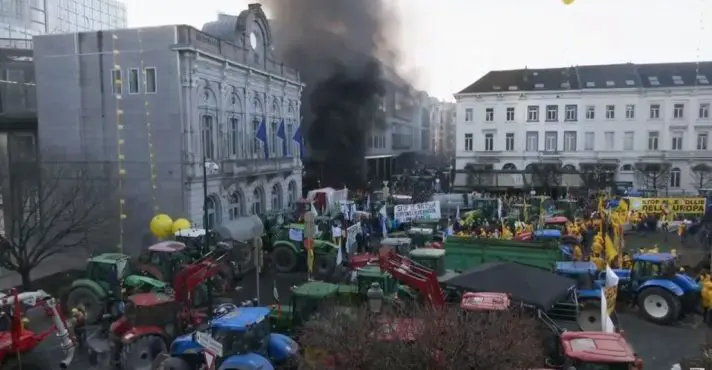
[(17, 342), (241, 339), (151, 320), (289, 252), (108, 278)]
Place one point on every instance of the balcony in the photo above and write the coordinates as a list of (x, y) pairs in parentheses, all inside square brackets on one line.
[(256, 167)]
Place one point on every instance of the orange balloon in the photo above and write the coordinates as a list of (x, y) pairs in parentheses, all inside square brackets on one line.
[(567, 2)]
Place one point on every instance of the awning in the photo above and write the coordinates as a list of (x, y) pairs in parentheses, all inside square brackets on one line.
[(242, 229)]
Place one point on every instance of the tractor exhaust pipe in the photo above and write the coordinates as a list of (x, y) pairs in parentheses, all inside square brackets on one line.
[(64, 364), (66, 342)]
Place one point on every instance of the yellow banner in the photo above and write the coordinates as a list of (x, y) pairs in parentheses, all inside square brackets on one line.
[(691, 205), (611, 294)]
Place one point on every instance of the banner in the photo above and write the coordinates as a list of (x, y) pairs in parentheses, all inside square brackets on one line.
[(611, 290), (417, 212), (351, 233), (296, 235), (688, 205)]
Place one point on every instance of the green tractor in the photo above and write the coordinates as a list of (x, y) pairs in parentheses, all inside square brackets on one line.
[(288, 252), (109, 277)]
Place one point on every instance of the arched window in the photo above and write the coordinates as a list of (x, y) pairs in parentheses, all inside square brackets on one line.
[(675, 175), (257, 120), (291, 126), (236, 205), (627, 168), (213, 207), (292, 193), (277, 197), (235, 141), (509, 167), (569, 168), (529, 168), (208, 125), (276, 115), (258, 201)]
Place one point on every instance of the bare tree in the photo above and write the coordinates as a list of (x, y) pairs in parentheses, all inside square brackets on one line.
[(653, 176), (597, 176), (53, 209), (479, 175), (545, 175), (424, 339), (702, 176)]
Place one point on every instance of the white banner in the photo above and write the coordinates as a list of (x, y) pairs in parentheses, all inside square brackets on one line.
[(417, 212), (351, 233), (296, 235)]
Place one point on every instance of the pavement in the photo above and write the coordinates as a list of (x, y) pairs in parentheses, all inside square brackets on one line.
[(659, 346)]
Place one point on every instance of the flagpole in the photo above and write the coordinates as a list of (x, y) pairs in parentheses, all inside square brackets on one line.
[(206, 226)]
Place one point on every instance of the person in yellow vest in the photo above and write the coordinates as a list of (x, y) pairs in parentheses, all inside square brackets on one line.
[(681, 230), (598, 261), (577, 253), (627, 261)]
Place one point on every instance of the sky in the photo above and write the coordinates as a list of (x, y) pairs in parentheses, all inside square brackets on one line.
[(446, 45)]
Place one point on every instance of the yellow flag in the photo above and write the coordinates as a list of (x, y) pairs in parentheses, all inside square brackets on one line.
[(610, 248)]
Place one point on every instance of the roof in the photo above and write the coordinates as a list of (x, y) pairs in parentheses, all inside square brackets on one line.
[(150, 299), (191, 233), (396, 241), (427, 253), (575, 267), (167, 246), (109, 257), (529, 285), (597, 347), (556, 220), (610, 76), (485, 302), (316, 288), (241, 318), (654, 257)]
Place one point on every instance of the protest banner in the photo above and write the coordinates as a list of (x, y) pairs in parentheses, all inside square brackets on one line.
[(417, 212), (686, 205)]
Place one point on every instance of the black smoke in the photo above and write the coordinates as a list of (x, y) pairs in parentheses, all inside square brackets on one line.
[(340, 48)]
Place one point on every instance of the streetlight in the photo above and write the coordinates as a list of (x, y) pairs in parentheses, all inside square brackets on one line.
[(375, 298)]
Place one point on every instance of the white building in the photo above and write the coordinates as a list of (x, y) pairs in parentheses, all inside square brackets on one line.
[(443, 129), (628, 117), (179, 95)]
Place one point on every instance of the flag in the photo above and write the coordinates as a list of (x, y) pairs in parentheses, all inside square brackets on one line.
[(526, 211), (261, 135), (368, 202), (275, 294), (457, 213), (299, 138), (282, 135)]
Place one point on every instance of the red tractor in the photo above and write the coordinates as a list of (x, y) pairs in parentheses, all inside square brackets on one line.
[(16, 341), (152, 320)]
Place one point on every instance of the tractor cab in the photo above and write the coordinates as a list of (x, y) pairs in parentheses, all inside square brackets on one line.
[(556, 223), (547, 234), (109, 271), (598, 351), (146, 310), (164, 259), (420, 235), (305, 302), (584, 273), (433, 259), (400, 245), (647, 266)]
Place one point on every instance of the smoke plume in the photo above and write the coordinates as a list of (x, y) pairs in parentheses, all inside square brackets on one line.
[(340, 48)]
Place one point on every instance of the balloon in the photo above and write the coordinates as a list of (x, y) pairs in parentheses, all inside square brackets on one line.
[(567, 2), (180, 224), (161, 226)]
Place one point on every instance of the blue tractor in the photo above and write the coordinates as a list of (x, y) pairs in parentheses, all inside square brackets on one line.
[(654, 283), (244, 340)]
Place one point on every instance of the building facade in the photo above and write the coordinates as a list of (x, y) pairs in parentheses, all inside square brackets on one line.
[(171, 100), (443, 123), (20, 20), (647, 125)]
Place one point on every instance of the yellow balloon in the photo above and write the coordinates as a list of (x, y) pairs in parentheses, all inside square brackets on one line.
[(180, 224), (161, 226), (567, 2)]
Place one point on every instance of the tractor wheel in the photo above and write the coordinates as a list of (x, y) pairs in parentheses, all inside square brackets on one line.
[(659, 306), (589, 316), (94, 307), (324, 266), (142, 352), (166, 362), (284, 259)]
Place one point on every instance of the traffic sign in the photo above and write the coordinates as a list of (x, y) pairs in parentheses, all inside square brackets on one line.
[(209, 360), (209, 344)]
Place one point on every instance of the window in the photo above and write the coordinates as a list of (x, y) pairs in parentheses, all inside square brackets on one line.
[(653, 137), (133, 81), (212, 212), (489, 114), (468, 142), (233, 139), (150, 80), (569, 141), (277, 202), (590, 112), (627, 168), (489, 142), (532, 141), (704, 111), (630, 111), (116, 81), (552, 113), (676, 141), (571, 112), (509, 142), (550, 138), (208, 137), (678, 111), (468, 115), (533, 113), (257, 143), (510, 114), (609, 137), (654, 111), (628, 139), (610, 111), (702, 139), (588, 140), (675, 175), (272, 137), (258, 201), (236, 206)]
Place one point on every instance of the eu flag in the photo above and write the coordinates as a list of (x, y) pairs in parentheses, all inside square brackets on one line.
[(282, 135), (261, 135), (299, 139)]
